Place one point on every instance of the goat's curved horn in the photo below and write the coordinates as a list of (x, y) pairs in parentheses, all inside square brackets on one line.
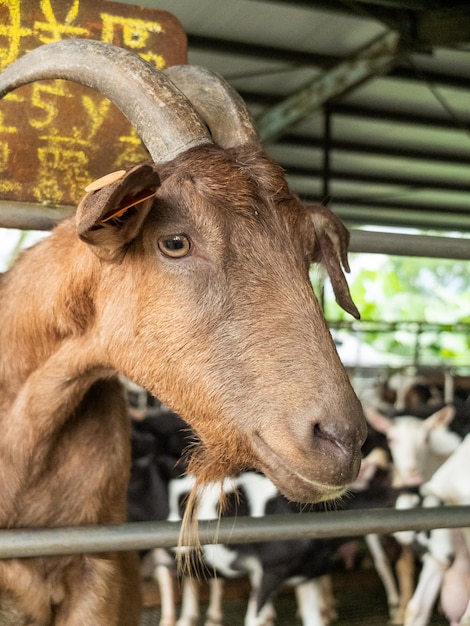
[(163, 117), (220, 106)]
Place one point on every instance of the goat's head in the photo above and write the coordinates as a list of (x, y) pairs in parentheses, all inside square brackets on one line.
[(418, 446), (204, 295)]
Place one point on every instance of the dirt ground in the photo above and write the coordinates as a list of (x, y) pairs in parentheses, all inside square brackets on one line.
[(360, 601)]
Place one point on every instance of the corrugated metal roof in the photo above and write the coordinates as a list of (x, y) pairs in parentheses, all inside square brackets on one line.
[(398, 145)]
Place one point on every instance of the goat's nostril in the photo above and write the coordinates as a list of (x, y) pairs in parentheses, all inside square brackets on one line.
[(326, 438), (321, 436)]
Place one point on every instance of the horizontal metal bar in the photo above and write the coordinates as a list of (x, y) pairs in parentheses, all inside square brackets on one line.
[(373, 149), (258, 51), (146, 535), (30, 216), (405, 215), (36, 217), (390, 116), (411, 183), (409, 245), (411, 326)]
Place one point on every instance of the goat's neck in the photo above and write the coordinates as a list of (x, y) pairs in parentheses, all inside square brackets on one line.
[(41, 300), (47, 362), (48, 354), (49, 396)]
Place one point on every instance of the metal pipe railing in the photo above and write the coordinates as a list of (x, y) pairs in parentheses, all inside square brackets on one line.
[(409, 245), (145, 535), (29, 216)]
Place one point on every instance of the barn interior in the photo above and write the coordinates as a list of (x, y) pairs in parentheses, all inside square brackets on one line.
[(366, 105)]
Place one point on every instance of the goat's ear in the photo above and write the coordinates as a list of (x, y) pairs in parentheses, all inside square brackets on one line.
[(112, 212), (443, 417), (378, 421), (331, 249)]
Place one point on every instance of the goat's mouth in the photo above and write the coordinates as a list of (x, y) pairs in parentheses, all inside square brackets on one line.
[(290, 480)]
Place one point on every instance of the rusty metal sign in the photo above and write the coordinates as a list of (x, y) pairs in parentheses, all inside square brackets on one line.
[(56, 136)]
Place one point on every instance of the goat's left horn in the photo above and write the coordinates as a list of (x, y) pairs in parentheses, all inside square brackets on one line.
[(217, 102), (163, 117)]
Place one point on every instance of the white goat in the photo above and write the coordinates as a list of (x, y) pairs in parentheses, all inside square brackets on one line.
[(418, 448)]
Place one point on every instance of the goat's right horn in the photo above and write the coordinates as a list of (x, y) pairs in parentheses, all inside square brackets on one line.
[(217, 102), (163, 117)]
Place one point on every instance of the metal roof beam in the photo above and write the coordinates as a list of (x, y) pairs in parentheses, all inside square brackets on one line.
[(385, 12), (272, 53), (365, 113), (389, 115), (372, 149), (303, 59), (405, 183), (378, 56), (404, 206)]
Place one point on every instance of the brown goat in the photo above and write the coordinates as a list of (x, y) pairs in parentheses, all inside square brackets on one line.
[(199, 293)]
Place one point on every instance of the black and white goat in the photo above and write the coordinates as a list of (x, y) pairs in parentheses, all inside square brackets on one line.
[(269, 565)]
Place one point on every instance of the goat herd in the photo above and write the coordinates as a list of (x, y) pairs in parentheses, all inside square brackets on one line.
[(409, 461), (189, 275)]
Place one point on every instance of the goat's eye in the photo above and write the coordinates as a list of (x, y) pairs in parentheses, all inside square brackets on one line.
[(175, 246)]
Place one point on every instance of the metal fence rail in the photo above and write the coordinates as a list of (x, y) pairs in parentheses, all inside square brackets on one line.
[(29, 216), (145, 535)]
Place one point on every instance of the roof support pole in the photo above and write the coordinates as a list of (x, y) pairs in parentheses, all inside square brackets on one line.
[(378, 56)]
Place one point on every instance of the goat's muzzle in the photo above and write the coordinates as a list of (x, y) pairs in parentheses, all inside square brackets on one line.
[(317, 461)]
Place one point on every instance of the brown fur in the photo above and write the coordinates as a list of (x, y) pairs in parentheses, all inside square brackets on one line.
[(231, 337)]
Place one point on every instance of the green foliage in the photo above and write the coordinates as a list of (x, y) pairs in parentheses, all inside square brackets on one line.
[(408, 289)]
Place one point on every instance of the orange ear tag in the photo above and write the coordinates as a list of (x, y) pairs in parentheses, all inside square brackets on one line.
[(122, 210), (108, 179)]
